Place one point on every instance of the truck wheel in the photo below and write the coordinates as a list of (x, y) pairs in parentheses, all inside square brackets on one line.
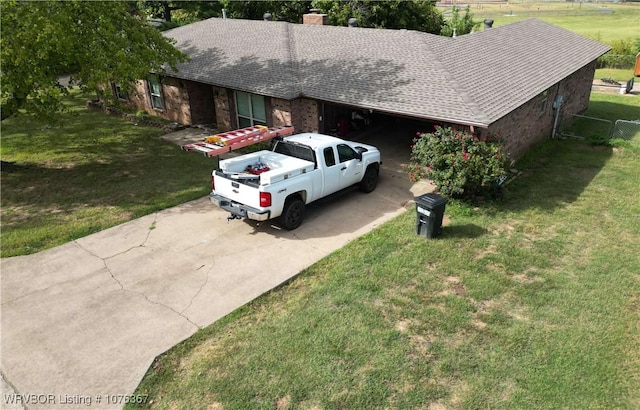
[(370, 179), (292, 214)]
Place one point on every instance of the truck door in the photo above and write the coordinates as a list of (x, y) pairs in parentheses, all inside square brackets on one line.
[(331, 172), (350, 167), (342, 170)]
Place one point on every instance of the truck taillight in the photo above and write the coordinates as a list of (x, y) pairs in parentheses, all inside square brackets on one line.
[(265, 199), (213, 184)]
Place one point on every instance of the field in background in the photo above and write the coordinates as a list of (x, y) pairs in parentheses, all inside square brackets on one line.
[(604, 22)]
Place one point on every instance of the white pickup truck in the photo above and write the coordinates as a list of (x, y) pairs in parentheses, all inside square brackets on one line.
[(301, 168)]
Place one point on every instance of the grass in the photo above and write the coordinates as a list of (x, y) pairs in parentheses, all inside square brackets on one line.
[(603, 22), (90, 172), (609, 107), (617, 74), (531, 302)]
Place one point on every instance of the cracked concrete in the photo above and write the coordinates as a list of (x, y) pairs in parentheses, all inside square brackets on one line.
[(87, 318)]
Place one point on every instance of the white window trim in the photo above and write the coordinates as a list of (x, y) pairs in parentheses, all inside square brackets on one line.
[(159, 95)]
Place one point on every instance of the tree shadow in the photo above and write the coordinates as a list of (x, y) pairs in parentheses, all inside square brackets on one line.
[(555, 175), (356, 81)]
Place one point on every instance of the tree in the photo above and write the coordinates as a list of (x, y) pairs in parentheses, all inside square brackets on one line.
[(461, 25), (189, 11), (393, 14), (100, 42), (160, 9), (290, 11), (418, 15)]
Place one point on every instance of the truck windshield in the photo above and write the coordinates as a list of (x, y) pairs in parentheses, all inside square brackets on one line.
[(295, 150)]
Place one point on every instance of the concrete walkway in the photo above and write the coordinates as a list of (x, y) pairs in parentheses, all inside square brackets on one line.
[(82, 322)]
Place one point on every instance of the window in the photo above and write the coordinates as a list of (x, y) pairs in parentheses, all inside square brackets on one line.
[(250, 109), (295, 150), (544, 97), (329, 157), (155, 92), (119, 92), (345, 153)]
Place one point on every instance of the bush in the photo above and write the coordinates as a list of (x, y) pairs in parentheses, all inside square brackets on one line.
[(458, 163), (622, 54)]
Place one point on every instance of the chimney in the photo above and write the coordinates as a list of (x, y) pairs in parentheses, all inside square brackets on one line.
[(488, 23), (313, 17), (267, 17), (353, 22)]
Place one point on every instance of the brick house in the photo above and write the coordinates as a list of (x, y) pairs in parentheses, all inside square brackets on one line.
[(502, 81)]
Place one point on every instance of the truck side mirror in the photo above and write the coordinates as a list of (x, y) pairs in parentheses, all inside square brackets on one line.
[(359, 151)]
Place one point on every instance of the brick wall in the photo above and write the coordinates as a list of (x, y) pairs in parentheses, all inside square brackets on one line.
[(201, 103), (528, 125), (175, 97), (225, 117), (280, 112), (176, 101), (305, 115), (576, 90), (315, 19), (138, 98), (191, 103)]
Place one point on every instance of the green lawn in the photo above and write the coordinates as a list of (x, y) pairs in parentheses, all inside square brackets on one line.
[(620, 75), (90, 172), (603, 22), (531, 302)]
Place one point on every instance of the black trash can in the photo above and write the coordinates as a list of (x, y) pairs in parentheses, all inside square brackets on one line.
[(429, 213)]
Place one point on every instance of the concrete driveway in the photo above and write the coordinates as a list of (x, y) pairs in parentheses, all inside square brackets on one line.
[(81, 323)]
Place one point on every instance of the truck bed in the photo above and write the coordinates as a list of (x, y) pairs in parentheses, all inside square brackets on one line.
[(264, 167)]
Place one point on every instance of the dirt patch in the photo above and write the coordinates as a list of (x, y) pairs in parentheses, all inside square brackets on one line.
[(403, 325), (283, 402), (478, 324), (523, 278)]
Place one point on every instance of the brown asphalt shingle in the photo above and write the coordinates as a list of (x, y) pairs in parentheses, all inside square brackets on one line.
[(472, 79), (502, 68)]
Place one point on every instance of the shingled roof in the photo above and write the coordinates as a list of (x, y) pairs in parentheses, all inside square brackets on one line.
[(473, 79)]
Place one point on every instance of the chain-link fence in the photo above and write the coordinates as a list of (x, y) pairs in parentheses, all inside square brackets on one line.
[(583, 127), (627, 130)]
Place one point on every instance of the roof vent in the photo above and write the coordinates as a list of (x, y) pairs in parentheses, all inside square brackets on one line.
[(267, 17), (353, 22), (488, 23)]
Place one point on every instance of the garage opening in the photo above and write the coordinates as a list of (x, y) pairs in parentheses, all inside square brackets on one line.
[(392, 134)]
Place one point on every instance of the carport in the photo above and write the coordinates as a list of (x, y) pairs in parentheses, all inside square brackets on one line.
[(392, 134)]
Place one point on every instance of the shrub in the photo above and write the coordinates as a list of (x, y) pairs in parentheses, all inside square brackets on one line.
[(622, 54), (458, 163)]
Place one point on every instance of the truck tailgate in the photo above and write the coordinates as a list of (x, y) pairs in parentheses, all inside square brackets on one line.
[(236, 190)]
